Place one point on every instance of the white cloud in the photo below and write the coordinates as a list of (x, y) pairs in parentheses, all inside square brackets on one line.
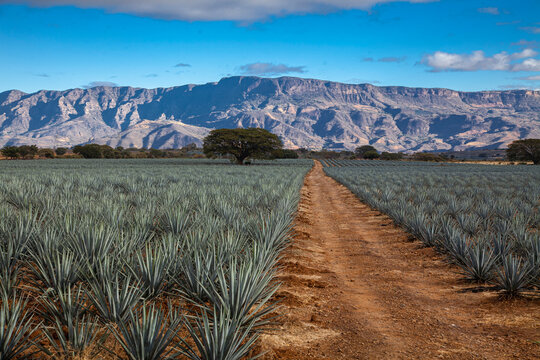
[(269, 69), (526, 43), (531, 29), (530, 78), (513, 87), (209, 10), (489, 10), (94, 84), (527, 65), (477, 60), (523, 54)]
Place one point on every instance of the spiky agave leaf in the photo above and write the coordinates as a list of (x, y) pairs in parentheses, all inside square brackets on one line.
[(500, 246), (218, 336), (54, 269), (176, 221), (479, 263), (114, 299), (514, 277), (151, 270), (17, 328), (244, 290), (197, 269), (9, 271), (79, 338), (92, 243), (69, 327), (147, 333)]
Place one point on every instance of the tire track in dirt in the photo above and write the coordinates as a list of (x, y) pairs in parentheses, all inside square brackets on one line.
[(356, 287)]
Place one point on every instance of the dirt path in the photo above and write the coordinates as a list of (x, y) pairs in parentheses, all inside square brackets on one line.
[(356, 287)]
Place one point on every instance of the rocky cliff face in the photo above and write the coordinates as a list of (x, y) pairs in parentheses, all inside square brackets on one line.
[(304, 113)]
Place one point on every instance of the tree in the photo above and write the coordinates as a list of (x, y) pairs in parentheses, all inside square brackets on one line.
[(28, 150), (190, 147), (391, 156), (11, 152), (524, 150), (89, 151), (47, 153), (60, 151), (361, 150), (285, 154), (370, 155), (242, 144), (156, 153), (428, 157)]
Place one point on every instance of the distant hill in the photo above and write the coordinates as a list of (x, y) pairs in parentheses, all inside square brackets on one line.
[(306, 113)]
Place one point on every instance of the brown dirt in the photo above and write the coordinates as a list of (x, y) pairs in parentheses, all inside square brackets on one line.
[(356, 287)]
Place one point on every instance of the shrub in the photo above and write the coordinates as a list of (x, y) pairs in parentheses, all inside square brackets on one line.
[(370, 155), (11, 152), (46, 153), (428, 157), (61, 151), (391, 156), (89, 151)]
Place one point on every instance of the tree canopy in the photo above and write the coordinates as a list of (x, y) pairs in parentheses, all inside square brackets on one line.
[(524, 150), (362, 150), (242, 144), (25, 151)]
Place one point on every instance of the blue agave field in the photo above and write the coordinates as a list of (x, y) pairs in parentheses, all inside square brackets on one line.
[(141, 259), (485, 219)]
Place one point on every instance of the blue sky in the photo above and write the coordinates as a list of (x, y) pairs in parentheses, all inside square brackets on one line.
[(457, 44)]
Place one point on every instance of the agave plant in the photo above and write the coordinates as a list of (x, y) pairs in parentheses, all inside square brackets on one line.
[(113, 300), (218, 336), (514, 277), (429, 234), (79, 338), (479, 263), (92, 243), (272, 232), (458, 248), (148, 334), (9, 270), (17, 328), (176, 221), (152, 268), (196, 271), (54, 270), (244, 290), (500, 246)]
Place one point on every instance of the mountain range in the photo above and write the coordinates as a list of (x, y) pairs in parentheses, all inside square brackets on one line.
[(306, 113)]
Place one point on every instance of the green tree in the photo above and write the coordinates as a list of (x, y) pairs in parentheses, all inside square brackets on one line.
[(11, 152), (47, 153), (370, 155), (28, 150), (156, 153), (285, 154), (391, 156), (60, 151), (361, 150), (109, 153), (242, 144), (89, 151), (524, 150), (428, 157)]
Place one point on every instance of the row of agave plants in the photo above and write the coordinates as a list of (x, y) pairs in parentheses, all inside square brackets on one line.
[(140, 259), (486, 219)]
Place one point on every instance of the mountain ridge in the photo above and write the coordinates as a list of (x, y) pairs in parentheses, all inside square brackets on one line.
[(307, 113)]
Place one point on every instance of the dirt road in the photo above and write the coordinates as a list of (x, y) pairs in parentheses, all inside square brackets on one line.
[(357, 287)]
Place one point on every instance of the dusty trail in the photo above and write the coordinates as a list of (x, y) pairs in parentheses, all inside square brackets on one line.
[(356, 287)]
